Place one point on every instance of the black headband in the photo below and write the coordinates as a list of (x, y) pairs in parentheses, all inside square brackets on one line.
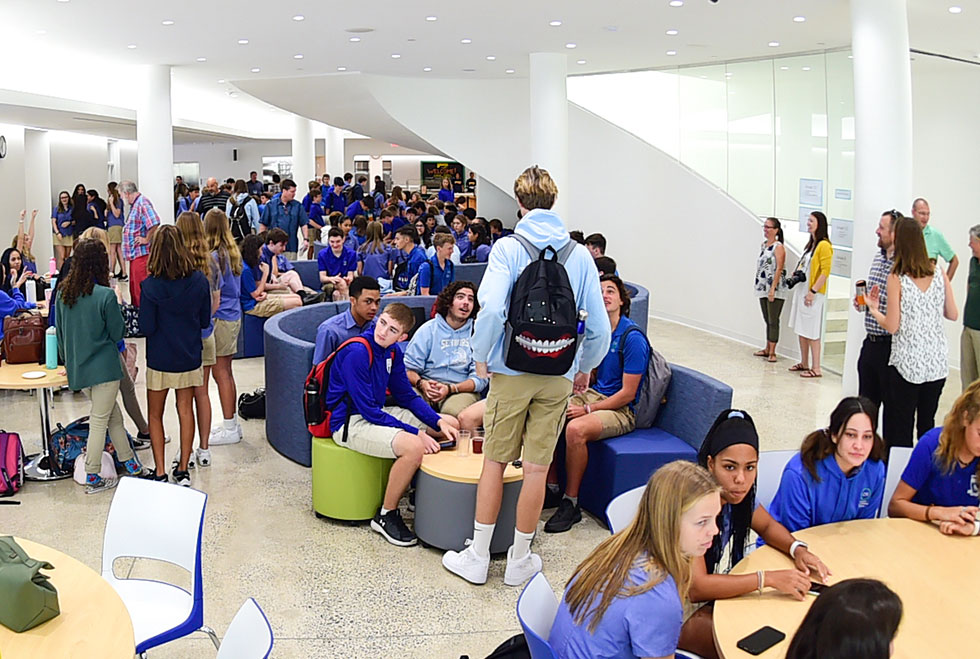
[(732, 427)]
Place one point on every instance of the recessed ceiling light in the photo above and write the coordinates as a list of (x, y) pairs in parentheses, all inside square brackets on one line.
[(221, 82), (490, 58), (671, 52), (571, 45), (799, 19), (509, 71), (555, 23), (131, 46), (774, 44), (234, 94), (395, 56), (729, 74), (242, 42), (297, 56), (955, 9), (671, 33), (676, 3), (806, 68), (255, 69), (852, 56), (41, 33), (427, 69), (611, 28), (168, 22), (431, 18), (466, 41), (62, 0), (299, 17), (354, 39), (580, 62), (202, 59), (341, 68), (784, 68)]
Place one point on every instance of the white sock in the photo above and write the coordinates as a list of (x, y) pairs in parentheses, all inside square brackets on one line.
[(522, 544), (482, 534), (384, 511), (230, 424)]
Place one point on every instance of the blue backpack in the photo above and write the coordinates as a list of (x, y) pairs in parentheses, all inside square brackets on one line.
[(67, 442)]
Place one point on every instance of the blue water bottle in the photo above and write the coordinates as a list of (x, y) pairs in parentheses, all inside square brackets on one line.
[(51, 349)]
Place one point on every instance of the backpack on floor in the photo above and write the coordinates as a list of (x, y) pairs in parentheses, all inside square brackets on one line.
[(514, 647), (68, 442), (654, 384), (252, 405), (240, 226), (542, 322), (131, 318), (11, 463)]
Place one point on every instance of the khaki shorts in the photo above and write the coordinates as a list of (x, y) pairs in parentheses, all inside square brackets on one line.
[(374, 440), (614, 422), (207, 351), (526, 410), (163, 380), (226, 336), (270, 306), (115, 235), (453, 404), (313, 234), (61, 241)]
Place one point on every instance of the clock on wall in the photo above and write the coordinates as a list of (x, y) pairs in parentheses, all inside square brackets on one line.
[(3, 146)]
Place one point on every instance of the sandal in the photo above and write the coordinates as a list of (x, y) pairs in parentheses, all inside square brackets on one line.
[(799, 367), (772, 358), (761, 353), (810, 373)]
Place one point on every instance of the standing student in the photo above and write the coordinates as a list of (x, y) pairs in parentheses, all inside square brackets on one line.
[(446, 192), (970, 337), (940, 482), (809, 296), (115, 220), (769, 286), (525, 410), (238, 197), (839, 473), (315, 214), (81, 218), (176, 306), (97, 208), (62, 228), (89, 325), (626, 598), (227, 323), (337, 265)]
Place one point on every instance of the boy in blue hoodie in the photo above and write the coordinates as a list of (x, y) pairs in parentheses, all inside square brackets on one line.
[(361, 422), (523, 409), (410, 259)]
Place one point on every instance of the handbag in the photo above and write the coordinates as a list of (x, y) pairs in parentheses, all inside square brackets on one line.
[(23, 338), (28, 599)]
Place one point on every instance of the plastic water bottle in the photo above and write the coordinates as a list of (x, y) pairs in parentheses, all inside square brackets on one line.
[(31, 291), (52, 266), (51, 349)]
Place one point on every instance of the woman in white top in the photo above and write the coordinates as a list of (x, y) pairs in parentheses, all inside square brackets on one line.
[(919, 296), (769, 286)]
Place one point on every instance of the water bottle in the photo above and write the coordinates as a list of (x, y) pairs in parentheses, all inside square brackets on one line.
[(52, 266), (51, 349), (31, 291)]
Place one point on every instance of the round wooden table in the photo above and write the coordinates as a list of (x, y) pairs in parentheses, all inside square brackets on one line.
[(445, 501), (93, 621), (12, 377), (936, 576)]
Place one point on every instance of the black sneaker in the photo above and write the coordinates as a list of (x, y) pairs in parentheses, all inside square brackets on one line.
[(393, 528), (182, 477), (140, 442), (552, 498), (565, 517), (151, 475)]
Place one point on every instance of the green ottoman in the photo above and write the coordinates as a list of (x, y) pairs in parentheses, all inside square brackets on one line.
[(346, 484)]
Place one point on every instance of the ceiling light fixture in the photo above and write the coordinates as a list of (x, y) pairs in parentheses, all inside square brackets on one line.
[(676, 3), (580, 62), (168, 22), (955, 9), (555, 23), (799, 19), (466, 41), (671, 53), (62, 0), (491, 58), (256, 69), (354, 39), (243, 42), (341, 68), (571, 45), (509, 71), (233, 94), (671, 33), (806, 68), (221, 82), (299, 17), (131, 46), (427, 69), (202, 59), (41, 33), (431, 18), (298, 56), (395, 56), (774, 44), (784, 68)]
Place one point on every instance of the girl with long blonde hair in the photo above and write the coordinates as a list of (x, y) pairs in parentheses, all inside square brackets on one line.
[(625, 598)]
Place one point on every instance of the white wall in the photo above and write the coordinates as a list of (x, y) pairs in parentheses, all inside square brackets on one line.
[(77, 158), (12, 170), (215, 158), (492, 202)]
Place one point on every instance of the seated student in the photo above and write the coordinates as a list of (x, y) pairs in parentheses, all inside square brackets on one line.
[(361, 422), (478, 244), (398, 216), (607, 409), (626, 598), (365, 295), (410, 259), (730, 452), (430, 251), (497, 230), (596, 243), (316, 222), (12, 301), (852, 618), (374, 256), (439, 359), (256, 300), (357, 235), (605, 265), (384, 219), (939, 484), (457, 223), (364, 206), (282, 277), (337, 264), (438, 272), (839, 473)]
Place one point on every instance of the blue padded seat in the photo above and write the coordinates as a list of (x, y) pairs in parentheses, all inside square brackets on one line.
[(470, 272), (250, 342), (639, 304), (308, 272)]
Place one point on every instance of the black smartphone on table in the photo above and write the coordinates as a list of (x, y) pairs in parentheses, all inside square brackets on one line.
[(760, 640), (816, 588), (447, 444)]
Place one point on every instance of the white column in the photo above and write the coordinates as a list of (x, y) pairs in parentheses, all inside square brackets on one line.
[(335, 151), (155, 140), (549, 119), (883, 139), (38, 194), (304, 153)]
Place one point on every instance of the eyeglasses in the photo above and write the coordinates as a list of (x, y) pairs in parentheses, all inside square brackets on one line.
[(894, 213)]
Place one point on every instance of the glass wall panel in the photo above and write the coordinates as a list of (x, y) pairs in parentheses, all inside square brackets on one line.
[(751, 165), (704, 122)]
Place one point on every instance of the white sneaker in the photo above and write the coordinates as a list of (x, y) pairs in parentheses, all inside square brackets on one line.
[(204, 457), (176, 461), (520, 570), (220, 435), (468, 565)]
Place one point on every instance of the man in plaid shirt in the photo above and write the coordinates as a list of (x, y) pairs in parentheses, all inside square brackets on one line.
[(141, 222), (872, 363)]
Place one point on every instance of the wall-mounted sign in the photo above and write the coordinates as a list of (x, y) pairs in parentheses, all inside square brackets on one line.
[(841, 232), (842, 193), (841, 265), (434, 172), (811, 192)]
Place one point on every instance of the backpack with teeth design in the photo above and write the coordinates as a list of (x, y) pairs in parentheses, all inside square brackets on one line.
[(541, 335)]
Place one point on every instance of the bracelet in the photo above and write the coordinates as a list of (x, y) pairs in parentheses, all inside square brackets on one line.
[(976, 527), (762, 580), (796, 545), (588, 409), (928, 508), (453, 388)]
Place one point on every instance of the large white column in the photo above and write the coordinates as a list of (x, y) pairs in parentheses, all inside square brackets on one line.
[(549, 119), (155, 140), (38, 194), (304, 153), (335, 151), (883, 139)]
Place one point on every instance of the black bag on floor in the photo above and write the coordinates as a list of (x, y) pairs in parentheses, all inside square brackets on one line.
[(252, 406), (514, 647), (131, 317)]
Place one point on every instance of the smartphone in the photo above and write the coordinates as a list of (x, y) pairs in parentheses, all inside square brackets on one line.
[(760, 640), (817, 588), (447, 444)]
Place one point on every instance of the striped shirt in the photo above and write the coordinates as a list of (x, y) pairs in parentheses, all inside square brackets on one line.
[(141, 219), (881, 267)]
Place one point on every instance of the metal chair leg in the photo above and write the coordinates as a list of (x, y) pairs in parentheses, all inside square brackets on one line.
[(214, 637)]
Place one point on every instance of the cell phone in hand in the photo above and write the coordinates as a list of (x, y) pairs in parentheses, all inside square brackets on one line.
[(760, 640), (447, 444), (816, 588)]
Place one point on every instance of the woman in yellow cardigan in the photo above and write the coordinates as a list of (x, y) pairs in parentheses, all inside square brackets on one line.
[(806, 317)]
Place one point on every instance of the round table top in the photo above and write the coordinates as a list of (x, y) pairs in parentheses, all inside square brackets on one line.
[(93, 621), (12, 377), (936, 576), (448, 465)]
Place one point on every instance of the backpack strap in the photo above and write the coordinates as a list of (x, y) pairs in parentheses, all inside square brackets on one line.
[(535, 253), (346, 396)]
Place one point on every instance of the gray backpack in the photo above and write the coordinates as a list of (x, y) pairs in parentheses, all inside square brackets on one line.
[(653, 385)]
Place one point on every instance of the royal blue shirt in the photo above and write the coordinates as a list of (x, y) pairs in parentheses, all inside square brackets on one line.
[(336, 265), (446, 196), (334, 331), (62, 218), (414, 261), (802, 502), (375, 263), (354, 210), (315, 215), (335, 202), (931, 482), (633, 360), (433, 277), (288, 217), (247, 279)]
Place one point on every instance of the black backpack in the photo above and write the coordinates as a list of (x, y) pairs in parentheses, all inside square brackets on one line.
[(252, 405), (240, 226), (542, 332)]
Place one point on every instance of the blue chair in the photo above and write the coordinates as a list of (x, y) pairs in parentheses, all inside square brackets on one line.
[(536, 610), (249, 636), (308, 272), (639, 305), (470, 272), (250, 342)]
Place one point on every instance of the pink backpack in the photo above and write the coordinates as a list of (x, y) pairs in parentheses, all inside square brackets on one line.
[(11, 464)]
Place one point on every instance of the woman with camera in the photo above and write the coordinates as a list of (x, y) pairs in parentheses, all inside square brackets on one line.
[(810, 293), (769, 286)]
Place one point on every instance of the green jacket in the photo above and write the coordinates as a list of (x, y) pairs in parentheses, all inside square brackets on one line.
[(88, 334)]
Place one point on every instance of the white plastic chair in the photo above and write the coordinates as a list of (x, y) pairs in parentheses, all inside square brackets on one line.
[(898, 458), (159, 521), (249, 635), (536, 610), (768, 474), (621, 510)]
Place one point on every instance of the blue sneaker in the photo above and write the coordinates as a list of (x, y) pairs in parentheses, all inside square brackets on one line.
[(95, 483)]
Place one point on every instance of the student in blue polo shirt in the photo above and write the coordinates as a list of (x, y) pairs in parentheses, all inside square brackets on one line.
[(334, 201), (374, 257), (446, 192), (430, 251), (364, 206), (337, 265), (839, 473), (410, 259), (365, 296), (438, 272), (939, 483), (316, 220)]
